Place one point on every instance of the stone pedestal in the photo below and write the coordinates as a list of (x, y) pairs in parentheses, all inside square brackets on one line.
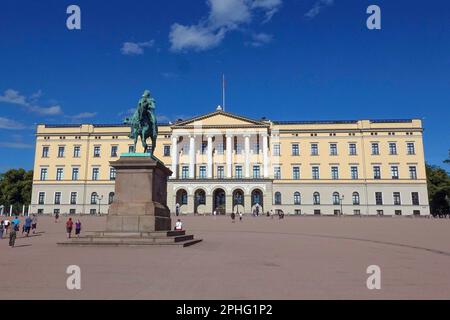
[(140, 197)]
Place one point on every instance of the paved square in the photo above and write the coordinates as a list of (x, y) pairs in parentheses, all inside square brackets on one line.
[(258, 258)]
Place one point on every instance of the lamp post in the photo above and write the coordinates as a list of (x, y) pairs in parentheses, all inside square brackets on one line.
[(340, 201), (99, 201)]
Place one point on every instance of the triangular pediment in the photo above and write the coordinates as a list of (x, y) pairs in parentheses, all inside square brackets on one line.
[(219, 118)]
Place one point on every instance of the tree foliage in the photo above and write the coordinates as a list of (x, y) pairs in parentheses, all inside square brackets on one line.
[(15, 188), (438, 190)]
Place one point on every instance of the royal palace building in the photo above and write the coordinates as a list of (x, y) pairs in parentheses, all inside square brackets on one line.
[(226, 162)]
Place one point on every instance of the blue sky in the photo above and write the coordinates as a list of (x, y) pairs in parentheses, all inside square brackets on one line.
[(283, 59)]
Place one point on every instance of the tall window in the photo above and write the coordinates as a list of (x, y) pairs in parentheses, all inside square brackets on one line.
[(95, 173), (378, 198), (276, 149), (297, 198), (314, 149), (167, 151), (238, 172), (73, 198), (412, 172), (114, 151), (44, 172), (110, 197), (392, 148), (336, 199), (238, 148), (220, 172), (295, 173), (59, 173), (255, 147), (352, 149), (376, 172), (410, 148), (394, 172), (397, 200), (334, 173), (277, 172), (75, 172), (41, 198), (295, 150), (333, 149), (96, 151), (256, 172), (94, 197), (219, 148), (130, 149), (354, 172), (57, 197), (61, 152), (202, 172), (355, 198), (184, 172), (315, 173), (76, 151), (112, 173), (45, 152), (277, 197), (415, 198), (316, 198), (375, 148)]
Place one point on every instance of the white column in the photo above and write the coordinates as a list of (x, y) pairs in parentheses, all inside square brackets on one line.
[(265, 156), (192, 156), (210, 159), (174, 154), (23, 210), (247, 155), (229, 153), (10, 210)]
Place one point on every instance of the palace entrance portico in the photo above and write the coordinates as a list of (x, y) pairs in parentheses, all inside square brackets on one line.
[(227, 195)]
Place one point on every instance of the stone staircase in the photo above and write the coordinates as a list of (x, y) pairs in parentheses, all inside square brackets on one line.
[(156, 238)]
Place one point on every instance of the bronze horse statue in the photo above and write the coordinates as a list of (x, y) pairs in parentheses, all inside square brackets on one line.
[(143, 122)]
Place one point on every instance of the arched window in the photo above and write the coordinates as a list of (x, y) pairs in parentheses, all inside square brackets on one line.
[(336, 199), (297, 198), (94, 197), (200, 197), (277, 198), (110, 197), (355, 197), (316, 198)]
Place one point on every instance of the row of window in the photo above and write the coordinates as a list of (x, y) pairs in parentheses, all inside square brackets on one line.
[(95, 198), (315, 172), (76, 174), (337, 199), (352, 149), (77, 151)]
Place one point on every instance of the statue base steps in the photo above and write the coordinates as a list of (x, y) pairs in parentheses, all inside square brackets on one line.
[(156, 238)]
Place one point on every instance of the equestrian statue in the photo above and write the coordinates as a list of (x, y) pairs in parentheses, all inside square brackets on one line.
[(143, 122)]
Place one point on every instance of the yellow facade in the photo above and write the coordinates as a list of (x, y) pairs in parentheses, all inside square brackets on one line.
[(226, 162)]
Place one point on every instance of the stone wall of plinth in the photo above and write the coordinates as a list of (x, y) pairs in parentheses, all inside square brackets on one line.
[(140, 197)]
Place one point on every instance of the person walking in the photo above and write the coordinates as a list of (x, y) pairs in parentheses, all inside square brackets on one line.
[(69, 226), (2, 228), (16, 224), (233, 216), (34, 223), (6, 223), (177, 209), (27, 225), (77, 228), (56, 217), (12, 236)]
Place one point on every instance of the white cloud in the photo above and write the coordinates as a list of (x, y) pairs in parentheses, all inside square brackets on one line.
[(16, 145), (223, 17), (135, 48), (318, 6), (260, 39), (9, 124), (83, 115), (14, 97)]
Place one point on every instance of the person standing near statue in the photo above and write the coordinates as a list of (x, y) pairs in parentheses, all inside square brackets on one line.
[(177, 209)]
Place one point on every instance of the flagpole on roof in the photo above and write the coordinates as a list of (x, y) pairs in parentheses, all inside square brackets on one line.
[(223, 92)]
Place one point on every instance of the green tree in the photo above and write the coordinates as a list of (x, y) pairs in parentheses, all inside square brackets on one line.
[(15, 188), (438, 189)]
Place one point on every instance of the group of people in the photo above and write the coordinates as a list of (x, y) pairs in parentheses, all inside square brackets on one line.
[(29, 224), (69, 228)]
